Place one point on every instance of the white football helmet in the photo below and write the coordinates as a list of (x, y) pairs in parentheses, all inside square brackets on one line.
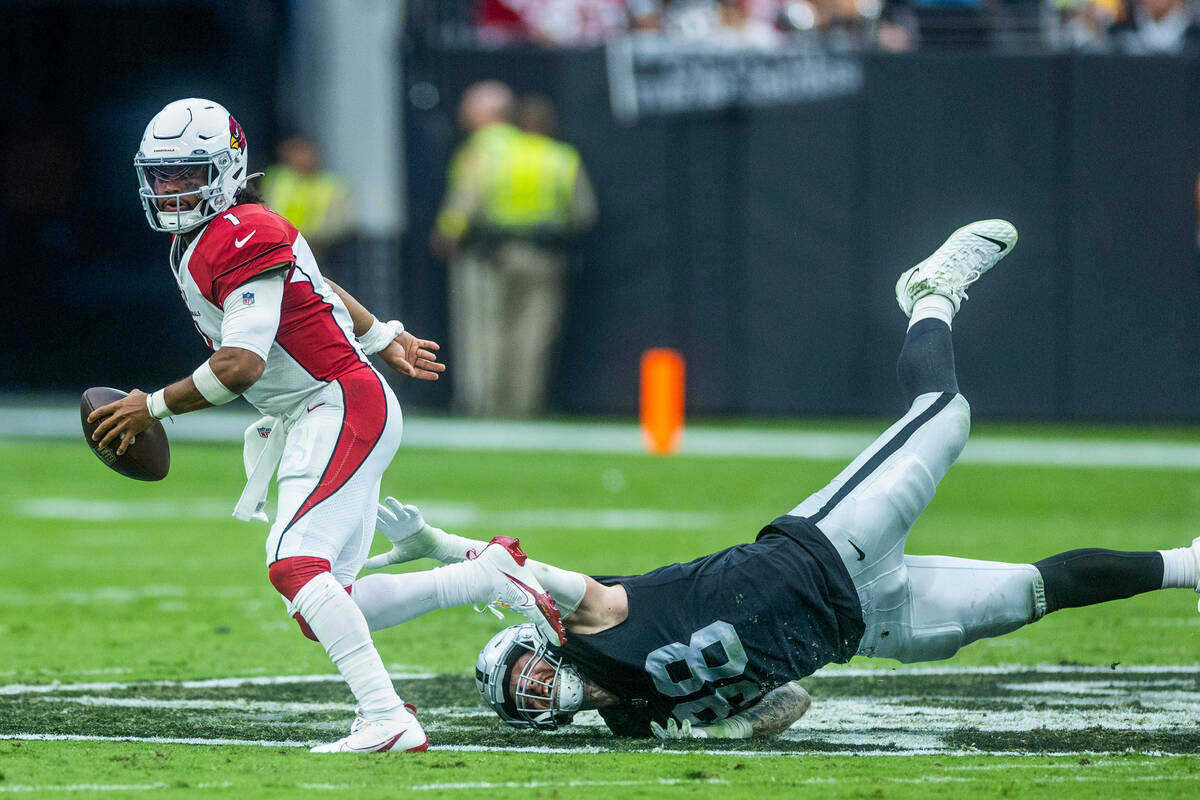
[(493, 671), (187, 135)]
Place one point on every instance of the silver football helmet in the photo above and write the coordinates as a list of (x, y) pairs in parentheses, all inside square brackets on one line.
[(526, 708), (200, 140)]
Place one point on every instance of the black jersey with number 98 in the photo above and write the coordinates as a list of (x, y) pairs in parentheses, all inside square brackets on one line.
[(708, 638)]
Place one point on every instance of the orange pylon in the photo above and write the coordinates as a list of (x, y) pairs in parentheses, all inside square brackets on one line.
[(662, 399)]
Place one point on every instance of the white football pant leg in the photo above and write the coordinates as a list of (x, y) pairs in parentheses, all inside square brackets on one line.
[(867, 510), (348, 563), (949, 603), (341, 526)]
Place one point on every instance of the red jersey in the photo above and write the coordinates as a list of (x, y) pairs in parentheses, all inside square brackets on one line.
[(315, 341)]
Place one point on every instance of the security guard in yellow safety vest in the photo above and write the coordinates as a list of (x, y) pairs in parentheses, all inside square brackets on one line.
[(314, 200), (515, 201)]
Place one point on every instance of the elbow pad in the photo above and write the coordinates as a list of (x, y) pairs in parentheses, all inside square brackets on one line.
[(208, 384)]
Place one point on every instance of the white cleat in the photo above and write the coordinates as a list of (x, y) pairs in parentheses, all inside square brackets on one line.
[(514, 586), (969, 252), (398, 731), (360, 719), (1196, 555)]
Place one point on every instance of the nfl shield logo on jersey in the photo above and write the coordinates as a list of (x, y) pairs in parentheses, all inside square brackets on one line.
[(247, 298)]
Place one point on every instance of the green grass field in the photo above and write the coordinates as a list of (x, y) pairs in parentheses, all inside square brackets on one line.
[(126, 608)]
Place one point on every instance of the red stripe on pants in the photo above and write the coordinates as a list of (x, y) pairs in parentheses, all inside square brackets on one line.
[(363, 420)]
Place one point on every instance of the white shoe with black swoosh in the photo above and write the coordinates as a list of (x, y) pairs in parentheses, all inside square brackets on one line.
[(397, 731), (514, 586), (1196, 555), (969, 252)]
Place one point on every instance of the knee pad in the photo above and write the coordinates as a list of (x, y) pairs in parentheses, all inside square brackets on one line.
[(290, 575), (930, 643)]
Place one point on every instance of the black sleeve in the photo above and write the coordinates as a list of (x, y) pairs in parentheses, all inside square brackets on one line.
[(628, 721)]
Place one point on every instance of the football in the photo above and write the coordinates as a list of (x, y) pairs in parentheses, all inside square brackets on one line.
[(147, 459)]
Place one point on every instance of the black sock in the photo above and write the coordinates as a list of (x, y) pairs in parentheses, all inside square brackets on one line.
[(1084, 577), (926, 362)]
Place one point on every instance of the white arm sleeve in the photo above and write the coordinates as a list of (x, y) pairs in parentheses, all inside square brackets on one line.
[(252, 314)]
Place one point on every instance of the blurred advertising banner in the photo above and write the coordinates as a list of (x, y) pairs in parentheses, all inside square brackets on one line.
[(652, 76)]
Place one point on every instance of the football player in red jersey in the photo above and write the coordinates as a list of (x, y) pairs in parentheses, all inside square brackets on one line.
[(295, 345)]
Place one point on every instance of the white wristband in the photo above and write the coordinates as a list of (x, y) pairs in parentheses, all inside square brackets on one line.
[(213, 390), (156, 404), (379, 335)]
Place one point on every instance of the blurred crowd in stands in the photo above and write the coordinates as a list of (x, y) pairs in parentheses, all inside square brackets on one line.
[(1107, 26)]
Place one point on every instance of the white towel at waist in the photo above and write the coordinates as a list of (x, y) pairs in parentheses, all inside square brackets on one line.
[(263, 449)]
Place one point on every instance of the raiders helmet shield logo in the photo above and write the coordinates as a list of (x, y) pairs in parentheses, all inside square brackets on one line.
[(237, 137)]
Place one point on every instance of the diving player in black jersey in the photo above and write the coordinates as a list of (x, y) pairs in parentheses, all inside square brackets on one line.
[(710, 648)]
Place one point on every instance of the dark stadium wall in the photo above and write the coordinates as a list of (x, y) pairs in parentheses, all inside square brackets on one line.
[(762, 242), (95, 301), (765, 242)]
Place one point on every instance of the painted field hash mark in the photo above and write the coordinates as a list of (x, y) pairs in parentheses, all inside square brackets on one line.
[(1047, 710)]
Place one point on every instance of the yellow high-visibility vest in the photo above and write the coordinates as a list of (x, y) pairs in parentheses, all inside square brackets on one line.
[(505, 179), (303, 200)]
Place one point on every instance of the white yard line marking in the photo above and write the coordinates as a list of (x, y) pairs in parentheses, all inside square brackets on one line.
[(434, 787), (1004, 669), (626, 438), (255, 706), (88, 787), (450, 515), (1072, 765), (96, 510), (211, 683), (917, 727), (119, 595), (1129, 701), (73, 737), (830, 672), (947, 752), (477, 785), (106, 787)]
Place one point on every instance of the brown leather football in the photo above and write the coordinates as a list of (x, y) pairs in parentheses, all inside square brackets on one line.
[(147, 459)]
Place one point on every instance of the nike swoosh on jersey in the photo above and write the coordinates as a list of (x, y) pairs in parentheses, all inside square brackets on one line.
[(861, 554), (239, 242), (1003, 246)]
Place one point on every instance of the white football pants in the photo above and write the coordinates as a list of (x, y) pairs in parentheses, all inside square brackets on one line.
[(917, 608), (329, 477)]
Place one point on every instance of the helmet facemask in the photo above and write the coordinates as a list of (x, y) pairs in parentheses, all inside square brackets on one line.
[(190, 134), (560, 696)]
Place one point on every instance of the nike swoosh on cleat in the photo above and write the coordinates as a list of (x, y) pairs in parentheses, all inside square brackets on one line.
[(383, 748), (531, 595), (545, 607), (861, 554), (1003, 246)]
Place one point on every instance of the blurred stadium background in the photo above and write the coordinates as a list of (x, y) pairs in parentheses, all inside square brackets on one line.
[(762, 177), (764, 170)]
